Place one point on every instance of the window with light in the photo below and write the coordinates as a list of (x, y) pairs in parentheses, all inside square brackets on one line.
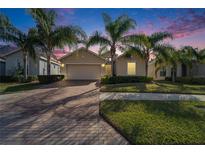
[(131, 68)]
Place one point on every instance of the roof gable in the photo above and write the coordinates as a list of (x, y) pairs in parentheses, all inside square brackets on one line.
[(82, 54)]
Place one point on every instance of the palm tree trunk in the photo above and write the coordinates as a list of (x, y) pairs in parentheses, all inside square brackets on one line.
[(25, 63), (48, 64), (173, 75), (113, 67), (173, 78), (146, 67), (113, 62)]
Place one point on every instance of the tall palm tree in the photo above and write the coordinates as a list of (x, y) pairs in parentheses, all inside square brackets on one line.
[(145, 46), (51, 35), (25, 41), (116, 31)]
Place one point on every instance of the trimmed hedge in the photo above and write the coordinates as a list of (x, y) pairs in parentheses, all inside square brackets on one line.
[(19, 78), (188, 80), (32, 78), (50, 78), (8, 79), (125, 79), (168, 79)]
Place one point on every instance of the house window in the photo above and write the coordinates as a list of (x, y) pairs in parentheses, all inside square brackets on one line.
[(162, 72), (131, 68)]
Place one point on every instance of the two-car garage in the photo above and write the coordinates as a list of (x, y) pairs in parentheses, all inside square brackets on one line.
[(83, 71), (82, 64)]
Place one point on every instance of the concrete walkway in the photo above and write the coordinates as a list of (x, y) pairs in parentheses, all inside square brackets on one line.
[(150, 96)]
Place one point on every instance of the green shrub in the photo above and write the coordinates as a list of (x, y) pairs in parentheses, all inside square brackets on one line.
[(32, 78), (50, 78), (168, 79), (188, 80), (19, 78), (8, 79), (125, 79), (191, 80)]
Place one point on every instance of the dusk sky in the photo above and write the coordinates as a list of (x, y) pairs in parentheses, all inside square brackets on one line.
[(186, 25)]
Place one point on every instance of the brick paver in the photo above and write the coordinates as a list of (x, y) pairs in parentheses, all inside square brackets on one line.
[(63, 113)]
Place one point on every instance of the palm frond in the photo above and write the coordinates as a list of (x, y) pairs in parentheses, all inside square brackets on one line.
[(9, 33), (163, 50), (97, 38), (188, 55), (159, 36), (45, 19), (135, 39), (201, 55), (66, 35), (123, 25), (135, 50), (106, 18), (103, 50)]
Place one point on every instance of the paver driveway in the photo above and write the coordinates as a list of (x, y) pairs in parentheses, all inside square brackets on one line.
[(63, 113)]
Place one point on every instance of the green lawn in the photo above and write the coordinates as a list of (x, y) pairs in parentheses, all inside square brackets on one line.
[(15, 87), (148, 122), (155, 87)]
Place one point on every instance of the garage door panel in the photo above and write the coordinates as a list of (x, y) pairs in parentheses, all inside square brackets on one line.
[(83, 72)]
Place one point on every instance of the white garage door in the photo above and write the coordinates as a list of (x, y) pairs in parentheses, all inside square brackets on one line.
[(83, 72)]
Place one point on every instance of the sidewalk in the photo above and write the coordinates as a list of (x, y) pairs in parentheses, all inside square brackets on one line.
[(150, 96)]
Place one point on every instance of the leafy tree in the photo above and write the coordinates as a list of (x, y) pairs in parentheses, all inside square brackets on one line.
[(116, 32), (52, 36), (25, 41), (145, 46)]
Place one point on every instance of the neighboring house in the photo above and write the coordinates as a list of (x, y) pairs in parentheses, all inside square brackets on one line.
[(2, 67), (198, 70), (84, 64), (37, 66)]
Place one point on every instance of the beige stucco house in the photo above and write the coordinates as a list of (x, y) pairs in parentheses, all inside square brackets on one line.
[(83, 64), (198, 70), (130, 66)]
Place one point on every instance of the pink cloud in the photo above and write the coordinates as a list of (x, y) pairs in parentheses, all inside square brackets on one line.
[(60, 52), (185, 25), (147, 29)]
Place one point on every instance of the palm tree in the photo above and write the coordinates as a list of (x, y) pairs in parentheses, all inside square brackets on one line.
[(51, 35), (114, 39), (171, 60), (25, 41), (201, 56), (188, 56), (145, 46)]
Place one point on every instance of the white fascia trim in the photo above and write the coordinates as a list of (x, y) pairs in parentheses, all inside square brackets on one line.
[(2, 60)]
